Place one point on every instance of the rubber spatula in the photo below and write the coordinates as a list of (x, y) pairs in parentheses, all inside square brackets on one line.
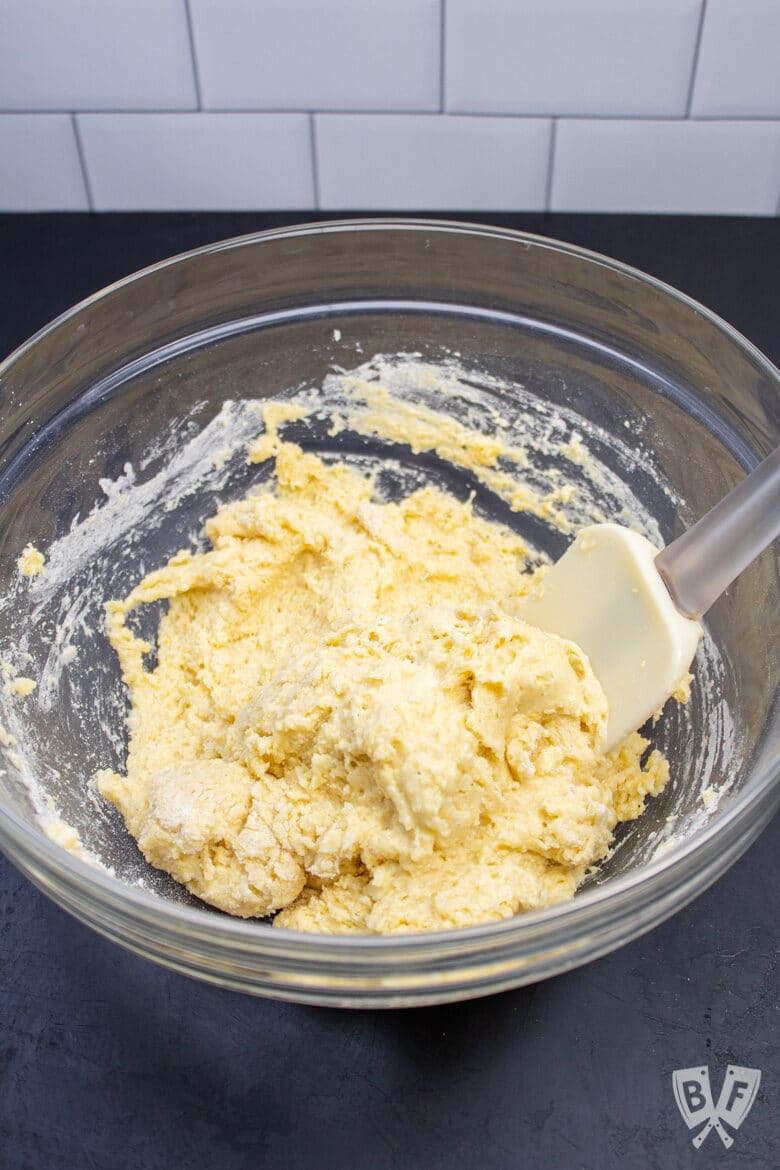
[(633, 609)]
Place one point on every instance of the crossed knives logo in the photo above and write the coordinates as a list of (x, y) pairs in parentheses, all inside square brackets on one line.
[(693, 1095)]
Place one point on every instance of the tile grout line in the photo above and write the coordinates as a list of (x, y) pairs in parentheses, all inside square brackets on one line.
[(442, 57), (193, 55), (265, 111), (82, 162), (550, 164), (315, 168), (695, 66)]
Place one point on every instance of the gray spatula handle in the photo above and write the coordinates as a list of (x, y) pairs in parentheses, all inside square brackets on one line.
[(701, 563)]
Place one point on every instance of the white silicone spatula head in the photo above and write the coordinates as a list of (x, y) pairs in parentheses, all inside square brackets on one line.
[(612, 593), (606, 595)]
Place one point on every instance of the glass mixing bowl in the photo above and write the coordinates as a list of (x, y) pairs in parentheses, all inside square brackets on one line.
[(93, 393)]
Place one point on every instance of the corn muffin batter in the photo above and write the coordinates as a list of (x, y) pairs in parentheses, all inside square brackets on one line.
[(348, 726)]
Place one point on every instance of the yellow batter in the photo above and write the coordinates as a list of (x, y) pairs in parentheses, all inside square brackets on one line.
[(31, 562), (348, 724)]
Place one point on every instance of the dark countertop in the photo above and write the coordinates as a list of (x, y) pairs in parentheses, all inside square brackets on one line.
[(108, 1062)]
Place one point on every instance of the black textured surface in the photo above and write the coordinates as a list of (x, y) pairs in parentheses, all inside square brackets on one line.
[(107, 1062)]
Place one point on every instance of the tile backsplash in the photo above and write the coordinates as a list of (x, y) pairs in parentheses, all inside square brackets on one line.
[(404, 162), (597, 58), (595, 105), (321, 55), (197, 161), (95, 55)]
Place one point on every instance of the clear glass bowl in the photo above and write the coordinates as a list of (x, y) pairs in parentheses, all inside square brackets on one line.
[(254, 316)]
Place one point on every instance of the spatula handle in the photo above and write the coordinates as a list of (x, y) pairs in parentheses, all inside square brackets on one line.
[(701, 563)]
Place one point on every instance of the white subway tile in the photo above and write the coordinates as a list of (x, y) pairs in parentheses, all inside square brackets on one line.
[(427, 163), (328, 55), (145, 162), (95, 54), (606, 57), (667, 166), (40, 169), (738, 73)]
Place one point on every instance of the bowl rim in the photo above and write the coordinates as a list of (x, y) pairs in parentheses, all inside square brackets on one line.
[(309, 946)]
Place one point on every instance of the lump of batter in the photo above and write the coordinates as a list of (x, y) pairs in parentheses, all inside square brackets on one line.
[(349, 727), (31, 562)]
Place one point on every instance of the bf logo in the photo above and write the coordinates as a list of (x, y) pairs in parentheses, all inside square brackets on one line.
[(694, 1100)]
